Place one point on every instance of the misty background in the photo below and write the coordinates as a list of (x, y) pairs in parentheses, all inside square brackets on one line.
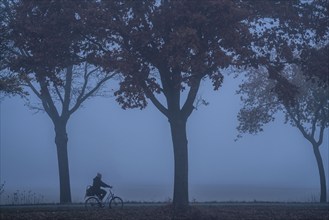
[(133, 151)]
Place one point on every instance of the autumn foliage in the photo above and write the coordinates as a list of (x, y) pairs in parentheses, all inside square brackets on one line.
[(162, 50)]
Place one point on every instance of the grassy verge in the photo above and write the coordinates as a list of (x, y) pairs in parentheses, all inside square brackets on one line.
[(201, 211)]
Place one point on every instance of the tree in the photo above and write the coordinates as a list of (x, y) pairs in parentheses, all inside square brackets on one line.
[(288, 33), (309, 113), (47, 54), (167, 49)]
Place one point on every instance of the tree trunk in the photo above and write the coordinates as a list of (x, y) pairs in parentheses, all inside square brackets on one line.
[(61, 140), (323, 195), (178, 132)]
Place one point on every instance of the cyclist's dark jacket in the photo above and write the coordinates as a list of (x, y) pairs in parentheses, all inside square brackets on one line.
[(98, 183)]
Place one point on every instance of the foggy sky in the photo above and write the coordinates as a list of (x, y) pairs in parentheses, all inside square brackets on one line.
[(133, 151)]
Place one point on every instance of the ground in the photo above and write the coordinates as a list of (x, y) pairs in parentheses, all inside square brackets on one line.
[(225, 211)]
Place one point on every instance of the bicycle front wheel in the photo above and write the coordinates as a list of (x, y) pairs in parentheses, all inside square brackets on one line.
[(92, 203), (116, 203)]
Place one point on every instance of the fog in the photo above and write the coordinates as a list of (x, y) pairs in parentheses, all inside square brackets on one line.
[(133, 151)]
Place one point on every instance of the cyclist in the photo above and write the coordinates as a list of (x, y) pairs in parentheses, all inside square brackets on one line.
[(97, 184)]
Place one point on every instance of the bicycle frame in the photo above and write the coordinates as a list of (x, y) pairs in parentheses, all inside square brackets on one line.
[(109, 195)]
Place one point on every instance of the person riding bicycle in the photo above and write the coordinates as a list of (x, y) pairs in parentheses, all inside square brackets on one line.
[(97, 184)]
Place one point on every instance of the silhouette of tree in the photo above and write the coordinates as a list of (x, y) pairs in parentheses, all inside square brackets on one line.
[(289, 33), (167, 48), (46, 53), (309, 113)]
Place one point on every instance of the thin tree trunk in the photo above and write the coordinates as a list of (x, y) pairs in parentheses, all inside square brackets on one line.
[(178, 132), (61, 140), (323, 195)]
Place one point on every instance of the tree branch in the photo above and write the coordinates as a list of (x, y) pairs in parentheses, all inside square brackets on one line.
[(85, 77), (323, 127), (316, 115), (35, 91), (82, 98), (188, 107), (155, 101), (67, 90), (299, 126), (47, 101), (59, 94), (96, 43), (85, 83)]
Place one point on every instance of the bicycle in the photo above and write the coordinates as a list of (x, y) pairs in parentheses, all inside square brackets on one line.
[(92, 201)]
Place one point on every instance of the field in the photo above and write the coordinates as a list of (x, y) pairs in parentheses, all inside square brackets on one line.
[(225, 211)]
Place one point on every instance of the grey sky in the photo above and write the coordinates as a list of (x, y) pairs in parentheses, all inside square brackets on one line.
[(133, 151)]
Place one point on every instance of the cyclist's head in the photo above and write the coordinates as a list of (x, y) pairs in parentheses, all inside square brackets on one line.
[(99, 175)]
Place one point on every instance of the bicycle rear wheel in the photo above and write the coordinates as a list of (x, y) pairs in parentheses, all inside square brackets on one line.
[(116, 203), (92, 203)]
